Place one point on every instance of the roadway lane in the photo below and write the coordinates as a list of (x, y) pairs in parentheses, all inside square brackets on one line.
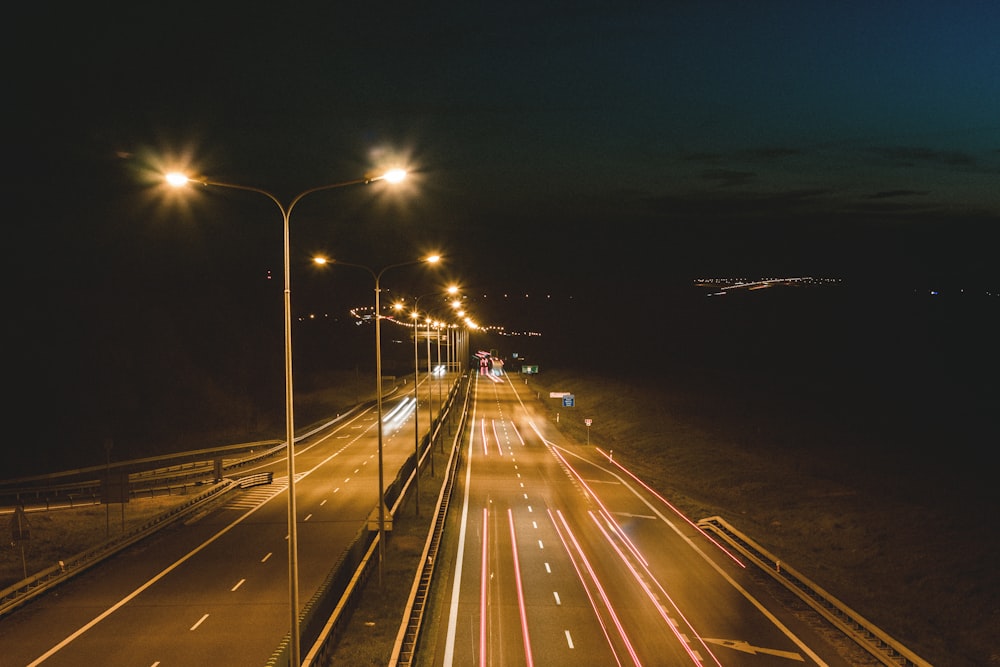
[(560, 557), (215, 591)]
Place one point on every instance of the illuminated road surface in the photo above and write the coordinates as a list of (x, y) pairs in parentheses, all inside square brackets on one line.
[(558, 556), (215, 591)]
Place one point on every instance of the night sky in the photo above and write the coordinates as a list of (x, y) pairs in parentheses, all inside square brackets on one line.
[(586, 151)]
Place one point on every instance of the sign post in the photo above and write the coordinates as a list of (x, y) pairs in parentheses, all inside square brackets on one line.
[(588, 422), (20, 532)]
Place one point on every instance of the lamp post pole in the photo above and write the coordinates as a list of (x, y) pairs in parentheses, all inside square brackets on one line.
[(416, 408), (416, 416), (437, 331), (448, 335), (430, 384), (177, 180), (378, 399), (378, 387)]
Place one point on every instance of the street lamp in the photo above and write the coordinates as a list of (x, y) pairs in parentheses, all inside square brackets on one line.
[(430, 383), (176, 179), (416, 416), (437, 335), (433, 259), (416, 402)]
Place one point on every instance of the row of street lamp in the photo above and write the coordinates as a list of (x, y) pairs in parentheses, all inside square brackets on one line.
[(433, 259), (415, 315), (393, 176)]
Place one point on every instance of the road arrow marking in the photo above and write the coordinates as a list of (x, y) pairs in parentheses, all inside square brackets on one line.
[(635, 516), (754, 650)]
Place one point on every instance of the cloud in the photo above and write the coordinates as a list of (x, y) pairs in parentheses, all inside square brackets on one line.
[(910, 156), (886, 194), (763, 153), (728, 177)]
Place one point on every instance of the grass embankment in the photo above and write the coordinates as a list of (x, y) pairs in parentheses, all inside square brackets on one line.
[(59, 534)]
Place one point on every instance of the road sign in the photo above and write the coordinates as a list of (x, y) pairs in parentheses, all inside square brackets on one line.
[(20, 531), (588, 422), (569, 400), (114, 487), (558, 394)]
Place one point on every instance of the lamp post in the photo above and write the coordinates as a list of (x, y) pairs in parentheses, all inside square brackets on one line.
[(416, 416), (433, 259), (416, 409), (415, 315), (178, 180), (430, 384), (437, 332)]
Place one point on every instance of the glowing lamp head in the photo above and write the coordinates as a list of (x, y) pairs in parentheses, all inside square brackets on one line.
[(176, 179), (395, 175)]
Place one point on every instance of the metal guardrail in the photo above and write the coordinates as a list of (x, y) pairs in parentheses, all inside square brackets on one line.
[(255, 480), (178, 470), (404, 649), (883, 647), (17, 594)]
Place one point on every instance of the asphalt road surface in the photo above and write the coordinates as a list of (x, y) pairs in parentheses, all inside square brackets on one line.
[(555, 555), (214, 590)]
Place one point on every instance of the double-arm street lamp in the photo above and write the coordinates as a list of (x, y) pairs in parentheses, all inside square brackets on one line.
[(433, 259), (179, 180), (416, 402)]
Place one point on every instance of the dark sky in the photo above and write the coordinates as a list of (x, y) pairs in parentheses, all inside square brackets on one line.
[(585, 148), (715, 137)]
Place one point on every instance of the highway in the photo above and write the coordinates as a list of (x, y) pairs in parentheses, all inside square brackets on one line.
[(556, 555), (214, 590), (553, 554)]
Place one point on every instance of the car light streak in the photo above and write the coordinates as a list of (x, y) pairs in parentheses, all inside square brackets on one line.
[(565, 533), (484, 578), (671, 506), (401, 412), (517, 433), (496, 436), (642, 581), (482, 429), (520, 591)]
